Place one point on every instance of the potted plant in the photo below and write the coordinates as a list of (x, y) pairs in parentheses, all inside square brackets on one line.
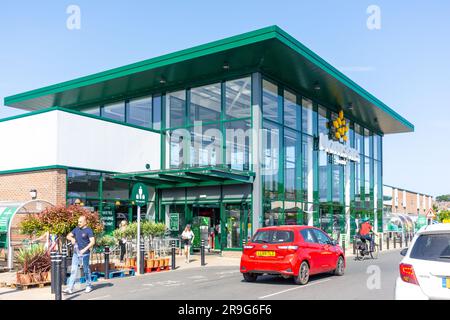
[(35, 264)]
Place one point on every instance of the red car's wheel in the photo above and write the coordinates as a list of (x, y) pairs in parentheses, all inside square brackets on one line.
[(340, 267), (250, 277), (303, 274)]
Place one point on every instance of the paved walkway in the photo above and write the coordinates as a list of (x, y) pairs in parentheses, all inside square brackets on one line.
[(227, 259)]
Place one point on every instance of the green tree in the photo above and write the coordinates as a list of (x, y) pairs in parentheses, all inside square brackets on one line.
[(444, 215), (445, 197)]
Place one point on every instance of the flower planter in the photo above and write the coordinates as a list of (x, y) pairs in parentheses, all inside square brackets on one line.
[(162, 262), (155, 263), (150, 263), (167, 262), (23, 278), (133, 262)]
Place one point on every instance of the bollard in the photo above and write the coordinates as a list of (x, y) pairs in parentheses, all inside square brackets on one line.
[(380, 243), (354, 246), (142, 258), (52, 272), (202, 252), (387, 242), (173, 254), (406, 240), (401, 241), (64, 265), (395, 242), (343, 247), (58, 283), (106, 252)]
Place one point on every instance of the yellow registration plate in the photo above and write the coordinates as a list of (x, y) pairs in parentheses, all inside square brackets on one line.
[(265, 253)]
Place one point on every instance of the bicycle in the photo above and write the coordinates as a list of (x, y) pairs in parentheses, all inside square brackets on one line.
[(362, 250)]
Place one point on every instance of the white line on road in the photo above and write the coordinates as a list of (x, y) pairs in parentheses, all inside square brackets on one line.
[(299, 287), (102, 297)]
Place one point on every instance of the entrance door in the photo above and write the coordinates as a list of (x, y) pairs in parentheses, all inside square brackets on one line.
[(205, 225), (237, 225)]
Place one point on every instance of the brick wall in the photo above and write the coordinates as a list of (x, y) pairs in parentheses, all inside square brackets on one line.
[(49, 184), (411, 203)]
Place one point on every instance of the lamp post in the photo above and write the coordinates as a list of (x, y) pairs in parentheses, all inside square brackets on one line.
[(33, 194)]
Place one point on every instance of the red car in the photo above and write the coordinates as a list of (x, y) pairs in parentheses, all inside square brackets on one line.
[(291, 251)]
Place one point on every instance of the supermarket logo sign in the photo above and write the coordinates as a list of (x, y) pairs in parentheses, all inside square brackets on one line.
[(338, 149)]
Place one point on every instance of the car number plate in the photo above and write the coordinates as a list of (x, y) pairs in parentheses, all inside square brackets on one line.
[(265, 253), (446, 283)]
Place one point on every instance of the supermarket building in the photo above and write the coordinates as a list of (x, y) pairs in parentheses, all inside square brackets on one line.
[(240, 133)]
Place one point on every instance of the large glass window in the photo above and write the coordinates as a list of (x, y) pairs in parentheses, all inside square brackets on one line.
[(271, 159), (358, 139), (176, 106), (307, 168), (272, 212), (178, 144), (291, 154), (95, 111), (368, 143), (115, 189), (206, 145), (238, 144), (323, 127), (82, 184), (140, 112), (323, 176), (206, 103), (307, 116), (114, 111), (157, 112), (292, 111), (271, 110), (238, 98)]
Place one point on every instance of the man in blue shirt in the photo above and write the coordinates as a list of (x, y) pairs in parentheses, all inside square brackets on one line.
[(82, 238)]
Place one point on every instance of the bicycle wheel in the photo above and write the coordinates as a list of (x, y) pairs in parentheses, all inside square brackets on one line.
[(374, 253)]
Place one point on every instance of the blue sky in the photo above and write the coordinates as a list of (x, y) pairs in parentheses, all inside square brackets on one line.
[(405, 64)]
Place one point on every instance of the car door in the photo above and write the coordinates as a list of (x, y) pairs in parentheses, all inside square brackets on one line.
[(311, 250), (327, 252)]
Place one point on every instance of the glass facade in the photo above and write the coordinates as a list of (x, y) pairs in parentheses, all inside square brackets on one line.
[(145, 112), (211, 125), (303, 184)]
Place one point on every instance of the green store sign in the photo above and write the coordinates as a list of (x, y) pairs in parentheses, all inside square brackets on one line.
[(174, 222), (139, 194)]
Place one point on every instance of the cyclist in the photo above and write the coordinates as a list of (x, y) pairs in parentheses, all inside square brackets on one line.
[(365, 232)]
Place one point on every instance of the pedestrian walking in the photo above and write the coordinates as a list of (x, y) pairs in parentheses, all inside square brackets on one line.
[(188, 237), (82, 239), (123, 240)]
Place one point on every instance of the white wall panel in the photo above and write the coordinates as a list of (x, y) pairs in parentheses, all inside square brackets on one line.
[(62, 138)]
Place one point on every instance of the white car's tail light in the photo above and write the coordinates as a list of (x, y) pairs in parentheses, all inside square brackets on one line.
[(407, 273)]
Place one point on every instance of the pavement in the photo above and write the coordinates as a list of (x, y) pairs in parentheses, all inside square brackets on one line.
[(221, 279)]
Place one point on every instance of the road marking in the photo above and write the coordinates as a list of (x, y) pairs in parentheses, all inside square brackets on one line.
[(100, 297), (299, 287), (227, 272)]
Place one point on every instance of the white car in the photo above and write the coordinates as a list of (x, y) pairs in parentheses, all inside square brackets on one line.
[(425, 269)]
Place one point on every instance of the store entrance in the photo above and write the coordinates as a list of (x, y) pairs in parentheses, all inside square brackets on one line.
[(206, 225), (237, 225)]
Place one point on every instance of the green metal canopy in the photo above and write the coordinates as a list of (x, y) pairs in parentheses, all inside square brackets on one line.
[(269, 50), (189, 177)]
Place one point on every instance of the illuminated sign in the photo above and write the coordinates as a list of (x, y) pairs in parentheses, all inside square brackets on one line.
[(337, 148)]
